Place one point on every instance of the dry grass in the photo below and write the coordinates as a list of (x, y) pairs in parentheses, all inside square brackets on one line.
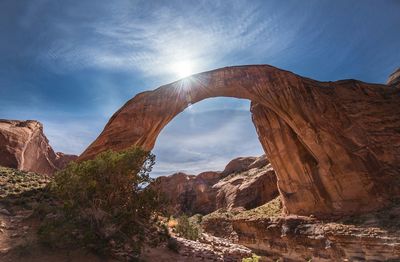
[(15, 182), (271, 209)]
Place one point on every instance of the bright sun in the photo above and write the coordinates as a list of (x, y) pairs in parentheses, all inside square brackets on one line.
[(183, 69)]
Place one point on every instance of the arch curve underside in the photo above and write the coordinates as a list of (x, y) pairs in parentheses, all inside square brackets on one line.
[(335, 146)]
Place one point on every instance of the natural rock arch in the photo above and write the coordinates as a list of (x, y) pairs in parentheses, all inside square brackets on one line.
[(335, 146)]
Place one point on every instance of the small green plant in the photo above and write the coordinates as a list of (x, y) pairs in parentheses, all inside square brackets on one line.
[(187, 229), (253, 258)]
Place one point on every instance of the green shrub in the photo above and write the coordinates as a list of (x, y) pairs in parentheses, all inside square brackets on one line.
[(253, 258), (104, 200), (187, 229)]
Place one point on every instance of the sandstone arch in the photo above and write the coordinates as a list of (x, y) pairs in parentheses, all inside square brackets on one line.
[(335, 146)]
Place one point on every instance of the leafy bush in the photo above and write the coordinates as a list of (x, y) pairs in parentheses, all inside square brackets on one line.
[(187, 229), (104, 202), (253, 258)]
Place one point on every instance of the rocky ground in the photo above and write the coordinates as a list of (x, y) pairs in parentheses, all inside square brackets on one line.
[(206, 248), (373, 236)]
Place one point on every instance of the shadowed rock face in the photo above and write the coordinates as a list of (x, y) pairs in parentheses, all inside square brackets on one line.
[(334, 145), (189, 193), (24, 146), (247, 182)]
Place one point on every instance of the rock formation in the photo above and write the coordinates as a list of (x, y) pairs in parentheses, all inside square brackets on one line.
[(246, 182), (297, 238), (334, 145), (24, 146), (249, 183), (189, 193)]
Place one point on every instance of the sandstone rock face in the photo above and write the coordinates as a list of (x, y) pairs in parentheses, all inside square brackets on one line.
[(246, 186), (335, 146), (296, 238), (246, 182), (188, 193), (24, 146)]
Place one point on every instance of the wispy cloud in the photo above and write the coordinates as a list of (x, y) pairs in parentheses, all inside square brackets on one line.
[(70, 137), (150, 39)]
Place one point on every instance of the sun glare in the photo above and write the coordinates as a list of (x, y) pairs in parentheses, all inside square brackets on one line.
[(183, 69)]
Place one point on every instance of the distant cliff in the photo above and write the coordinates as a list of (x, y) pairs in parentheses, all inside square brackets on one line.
[(246, 182), (24, 146)]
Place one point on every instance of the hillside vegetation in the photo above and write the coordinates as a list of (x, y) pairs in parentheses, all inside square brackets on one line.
[(101, 205)]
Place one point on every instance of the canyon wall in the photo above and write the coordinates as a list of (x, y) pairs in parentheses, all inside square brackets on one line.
[(246, 182), (335, 146)]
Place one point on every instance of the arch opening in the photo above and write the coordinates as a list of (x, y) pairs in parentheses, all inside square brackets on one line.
[(205, 137)]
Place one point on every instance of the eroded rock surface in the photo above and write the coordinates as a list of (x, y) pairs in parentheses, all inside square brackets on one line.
[(250, 184), (210, 248), (335, 146), (206, 248), (245, 182), (189, 193), (369, 237), (24, 146), (302, 238)]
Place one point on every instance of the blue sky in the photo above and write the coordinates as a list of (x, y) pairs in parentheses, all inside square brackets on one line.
[(72, 64)]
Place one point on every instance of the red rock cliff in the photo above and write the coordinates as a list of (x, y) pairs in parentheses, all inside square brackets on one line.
[(24, 146)]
